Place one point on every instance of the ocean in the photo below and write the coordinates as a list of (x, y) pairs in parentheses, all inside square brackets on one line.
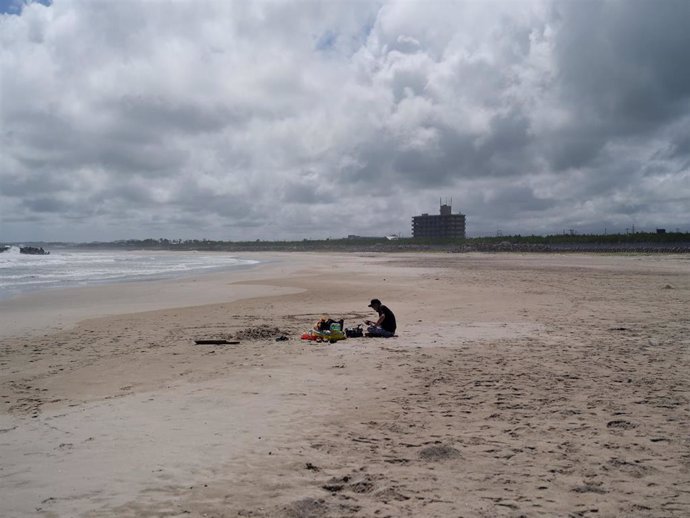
[(21, 273)]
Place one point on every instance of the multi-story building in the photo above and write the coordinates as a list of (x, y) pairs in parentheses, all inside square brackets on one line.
[(444, 225)]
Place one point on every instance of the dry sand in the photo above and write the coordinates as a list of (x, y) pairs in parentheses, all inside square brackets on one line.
[(519, 385)]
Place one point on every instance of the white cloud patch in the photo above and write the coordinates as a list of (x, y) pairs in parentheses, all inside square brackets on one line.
[(245, 120)]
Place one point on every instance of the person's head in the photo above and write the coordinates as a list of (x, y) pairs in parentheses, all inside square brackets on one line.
[(375, 304)]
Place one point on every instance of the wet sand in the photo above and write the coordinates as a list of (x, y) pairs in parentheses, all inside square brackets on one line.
[(519, 385)]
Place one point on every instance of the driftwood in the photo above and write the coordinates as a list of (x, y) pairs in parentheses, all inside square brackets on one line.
[(216, 342)]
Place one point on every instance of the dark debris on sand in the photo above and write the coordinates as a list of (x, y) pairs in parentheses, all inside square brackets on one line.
[(259, 333)]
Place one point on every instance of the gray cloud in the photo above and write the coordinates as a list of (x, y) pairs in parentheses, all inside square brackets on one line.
[(622, 71), (239, 120)]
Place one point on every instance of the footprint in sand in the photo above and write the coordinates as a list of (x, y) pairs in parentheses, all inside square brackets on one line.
[(590, 488), (317, 508), (356, 484), (620, 424), (438, 453), (634, 469)]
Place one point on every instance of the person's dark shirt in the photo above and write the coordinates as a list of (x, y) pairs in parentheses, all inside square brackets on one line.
[(389, 322)]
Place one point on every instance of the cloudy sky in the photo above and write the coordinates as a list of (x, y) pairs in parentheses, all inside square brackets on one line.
[(306, 119)]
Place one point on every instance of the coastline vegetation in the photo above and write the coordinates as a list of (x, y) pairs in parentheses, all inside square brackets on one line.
[(640, 241)]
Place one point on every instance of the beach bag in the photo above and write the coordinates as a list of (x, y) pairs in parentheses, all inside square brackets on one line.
[(325, 325), (354, 332)]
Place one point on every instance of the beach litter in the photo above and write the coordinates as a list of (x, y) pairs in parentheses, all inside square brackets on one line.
[(323, 336)]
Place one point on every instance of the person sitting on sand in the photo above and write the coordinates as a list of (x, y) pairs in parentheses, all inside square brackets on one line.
[(385, 325)]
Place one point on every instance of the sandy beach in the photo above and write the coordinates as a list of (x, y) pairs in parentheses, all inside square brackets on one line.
[(518, 385)]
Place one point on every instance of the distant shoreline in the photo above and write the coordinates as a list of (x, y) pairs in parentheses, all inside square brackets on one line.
[(66, 268), (35, 312)]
